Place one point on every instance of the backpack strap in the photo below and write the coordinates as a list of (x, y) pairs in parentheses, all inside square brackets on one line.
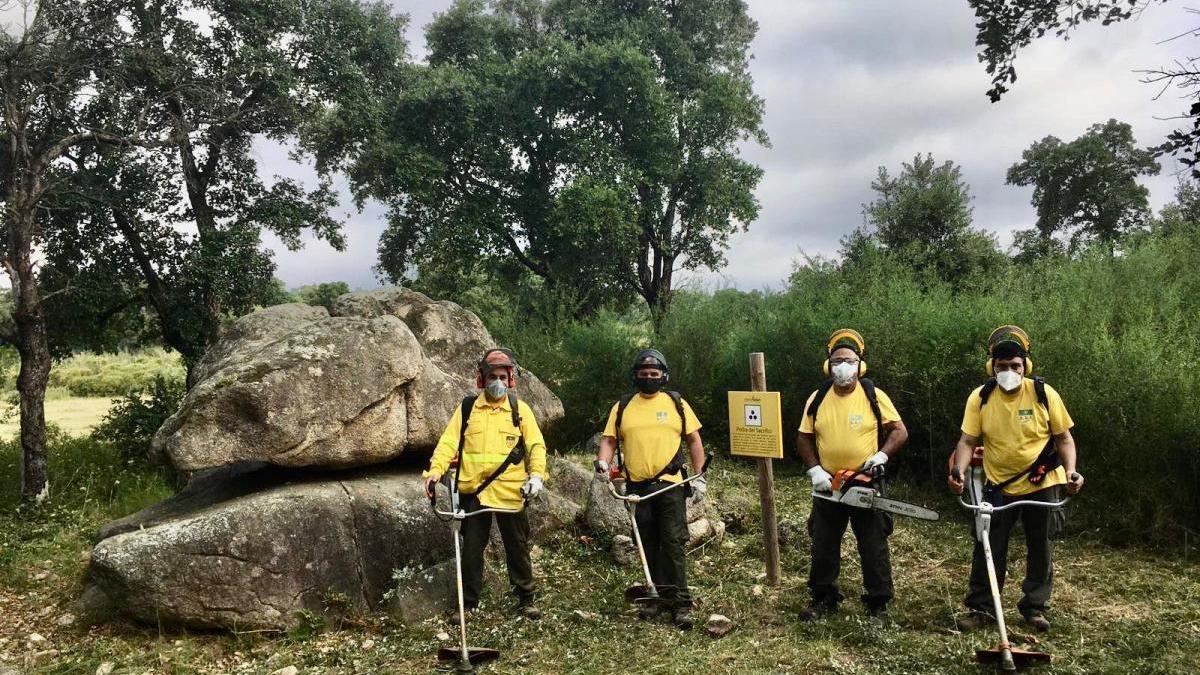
[(816, 404), (678, 463), (467, 405), (622, 404), (986, 391), (868, 386)]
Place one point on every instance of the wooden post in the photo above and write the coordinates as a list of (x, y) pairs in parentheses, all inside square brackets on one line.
[(766, 482)]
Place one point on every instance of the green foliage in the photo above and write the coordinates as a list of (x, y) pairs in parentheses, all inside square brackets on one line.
[(92, 483), (1088, 188), (923, 217), (131, 422), (1126, 367), (591, 145), (321, 295), (115, 374)]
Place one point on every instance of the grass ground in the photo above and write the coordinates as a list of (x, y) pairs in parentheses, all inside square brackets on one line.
[(76, 415), (1115, 611)]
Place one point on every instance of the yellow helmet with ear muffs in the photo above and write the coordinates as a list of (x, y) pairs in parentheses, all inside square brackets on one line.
[(1010, 334), (851, 339)]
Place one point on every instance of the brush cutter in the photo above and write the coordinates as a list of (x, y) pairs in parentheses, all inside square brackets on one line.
[(467, 657), (862, 489), (1003, 653), (648, 594)]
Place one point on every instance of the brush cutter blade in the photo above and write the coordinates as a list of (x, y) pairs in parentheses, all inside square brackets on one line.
[(1021, 657), (641, 595), (476, 655)]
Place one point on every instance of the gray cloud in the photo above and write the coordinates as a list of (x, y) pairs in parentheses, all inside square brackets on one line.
[(850, 86)]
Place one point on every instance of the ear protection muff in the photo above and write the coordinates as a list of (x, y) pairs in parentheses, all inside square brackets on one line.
[(484, 367), (650, 354), (845, 337)]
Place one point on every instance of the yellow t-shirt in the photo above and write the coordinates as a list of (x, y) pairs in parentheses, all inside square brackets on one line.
[(846, 431), (490, 436), (1014, 432), (650, 434)]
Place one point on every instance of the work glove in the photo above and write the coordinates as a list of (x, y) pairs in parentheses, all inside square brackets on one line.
[(532, 487), (821, 480), (601, 468), (876, 460), (1074, 483), (431, 485), (699, 490)]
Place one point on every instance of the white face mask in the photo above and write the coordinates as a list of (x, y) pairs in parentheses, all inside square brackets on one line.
[(843, 373), (1009, 380)]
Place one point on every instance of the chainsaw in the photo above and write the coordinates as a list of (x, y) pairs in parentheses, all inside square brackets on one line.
[(861, 490)]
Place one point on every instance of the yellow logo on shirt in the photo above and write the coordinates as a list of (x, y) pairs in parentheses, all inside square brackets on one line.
[(1025, 415), (661, 416), (855, 420)]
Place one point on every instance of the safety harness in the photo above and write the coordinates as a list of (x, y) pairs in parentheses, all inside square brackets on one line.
[(517, 454), (678, 463), (1048, 459), (868, 387)]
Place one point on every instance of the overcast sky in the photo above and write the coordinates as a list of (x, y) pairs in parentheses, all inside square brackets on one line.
[(851, 86)]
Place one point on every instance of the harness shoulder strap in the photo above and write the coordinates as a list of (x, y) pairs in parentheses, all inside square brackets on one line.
[(812, 409), (622, 403), (678, 399), (986, 391), (465, 408), (868, 386), (1039, 387)]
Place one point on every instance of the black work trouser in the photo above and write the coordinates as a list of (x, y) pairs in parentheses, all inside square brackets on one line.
[(1039, 572), (514, 532), (662, 524), (826, 526)]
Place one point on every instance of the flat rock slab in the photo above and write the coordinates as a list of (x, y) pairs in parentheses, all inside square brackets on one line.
[(249, 547)]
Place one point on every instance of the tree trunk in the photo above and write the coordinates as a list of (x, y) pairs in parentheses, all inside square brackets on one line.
[(34, 348)]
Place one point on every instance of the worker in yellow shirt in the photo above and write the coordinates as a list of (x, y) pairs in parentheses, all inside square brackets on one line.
[(502, 462), (649, 426), (1029, 453), (843, 423)]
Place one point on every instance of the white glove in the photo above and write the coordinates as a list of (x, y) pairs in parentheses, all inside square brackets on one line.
[(699, 489), (878, 459), (601, 467), (532, 487), (821, 480)]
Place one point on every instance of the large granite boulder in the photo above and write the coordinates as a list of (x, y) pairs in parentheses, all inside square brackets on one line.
[(249, 547), (294, 385)]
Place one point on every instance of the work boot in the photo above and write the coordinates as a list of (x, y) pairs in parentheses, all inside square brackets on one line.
[(1037, 621), (974, 620), (816, 610), (682, 618), (649, 611), (879, 615), (528, 610), (452, 616)]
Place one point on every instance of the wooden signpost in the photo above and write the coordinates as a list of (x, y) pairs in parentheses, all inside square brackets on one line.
[(756, 430)]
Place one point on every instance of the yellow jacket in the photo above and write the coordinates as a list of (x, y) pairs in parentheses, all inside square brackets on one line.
[(489, 437)]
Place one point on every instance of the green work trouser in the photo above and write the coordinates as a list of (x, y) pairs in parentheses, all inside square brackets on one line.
[(1039, 569), (662, 523), (514, 532)]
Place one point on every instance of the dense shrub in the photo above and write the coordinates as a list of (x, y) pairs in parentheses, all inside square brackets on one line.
[(132, 420), (1115, 336)]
